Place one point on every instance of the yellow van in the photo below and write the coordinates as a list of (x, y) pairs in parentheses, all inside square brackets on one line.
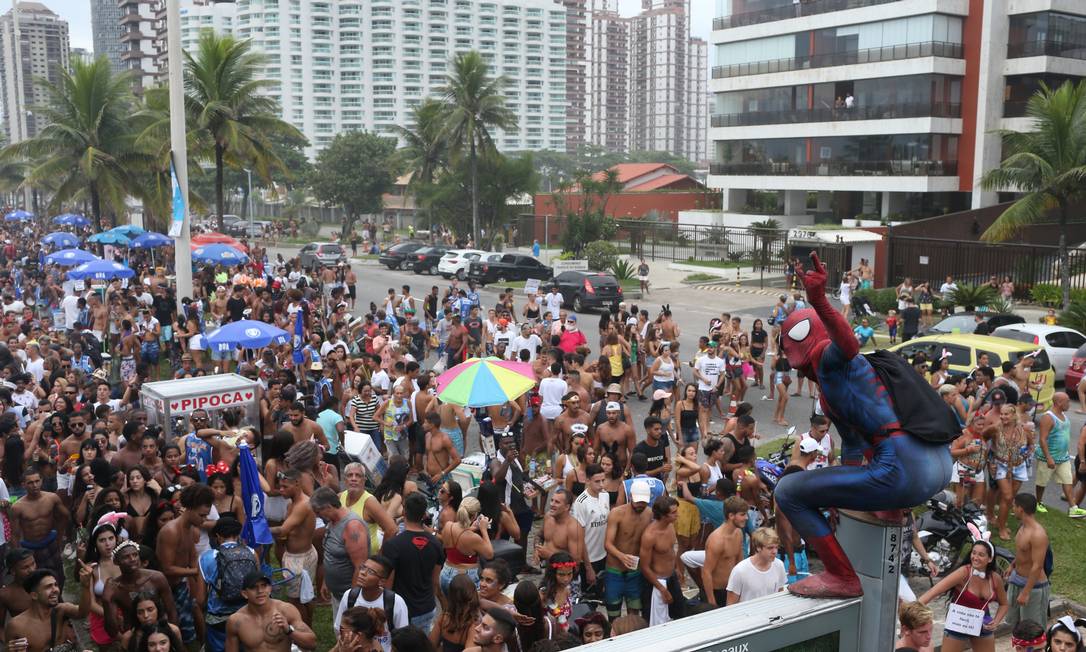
[(966, 350)]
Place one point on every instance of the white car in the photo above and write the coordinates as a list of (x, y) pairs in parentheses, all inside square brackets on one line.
[(1060, 343), (456, 262)]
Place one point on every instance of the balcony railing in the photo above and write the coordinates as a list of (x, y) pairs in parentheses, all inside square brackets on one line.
[(822, 114), (1046, 49), (793, 10), (870, 55), (909, 168)]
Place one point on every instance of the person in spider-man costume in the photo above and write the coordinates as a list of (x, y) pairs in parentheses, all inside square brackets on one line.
[(901, 471)]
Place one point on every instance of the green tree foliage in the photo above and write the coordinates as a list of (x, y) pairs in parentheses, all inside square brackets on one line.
[(87, 149), (224, 97), (1047, 165), (354, 171)]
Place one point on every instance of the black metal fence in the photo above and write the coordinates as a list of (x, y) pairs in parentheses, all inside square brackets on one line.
[(763, 249), (932, 260)]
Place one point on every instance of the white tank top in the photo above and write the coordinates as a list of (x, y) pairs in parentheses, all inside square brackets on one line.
[(666, 372)]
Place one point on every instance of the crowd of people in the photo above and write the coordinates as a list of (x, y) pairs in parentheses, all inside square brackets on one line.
[(124, 532)]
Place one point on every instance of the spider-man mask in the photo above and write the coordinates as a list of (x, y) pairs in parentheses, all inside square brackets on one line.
[(802, 337)]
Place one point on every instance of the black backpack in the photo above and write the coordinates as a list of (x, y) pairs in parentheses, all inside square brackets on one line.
[(389, 604), (233, 564)]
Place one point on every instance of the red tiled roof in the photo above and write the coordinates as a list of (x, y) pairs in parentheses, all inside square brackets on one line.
[(659, 182), (628, 171)]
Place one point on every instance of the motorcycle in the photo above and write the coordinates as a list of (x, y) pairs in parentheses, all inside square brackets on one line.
[(944, 531), (769, 470)]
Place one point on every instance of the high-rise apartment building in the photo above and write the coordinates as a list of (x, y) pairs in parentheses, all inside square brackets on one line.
[(33, 49), (351, 64), (106, 29), (140, 42), (606, 80), (577, 70), (196, 16), (667, 75), (879, 106)]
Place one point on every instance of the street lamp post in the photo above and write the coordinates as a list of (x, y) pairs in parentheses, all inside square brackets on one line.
[(182, 251), (249, 200)]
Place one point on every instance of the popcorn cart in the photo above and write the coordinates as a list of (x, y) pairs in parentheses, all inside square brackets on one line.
[(170, 402)]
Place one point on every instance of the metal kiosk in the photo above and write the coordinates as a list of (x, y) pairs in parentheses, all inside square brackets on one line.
[(169, 402)]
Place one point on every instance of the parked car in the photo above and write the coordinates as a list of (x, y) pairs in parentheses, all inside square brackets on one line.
[(243, 228), (321, 254), (584, 289), (455, 262), (964, 323), (396, 256), (1060, 343), (1075, 371), (510, 267), (965, 350), (426, 259)]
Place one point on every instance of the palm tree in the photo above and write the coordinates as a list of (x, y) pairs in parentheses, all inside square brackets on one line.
[(223, 97), (425, 152), (474, 106), (1047, 165), (768, 231), (86, 150)]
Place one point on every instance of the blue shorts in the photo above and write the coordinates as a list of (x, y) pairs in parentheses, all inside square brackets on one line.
[(663, 384), (620, 585)]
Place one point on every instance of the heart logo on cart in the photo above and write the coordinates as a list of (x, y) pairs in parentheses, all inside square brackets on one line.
[(174, 405), (248, 395)]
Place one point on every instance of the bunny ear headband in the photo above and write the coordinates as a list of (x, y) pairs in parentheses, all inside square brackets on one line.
[(982, 538), (1070, 624)]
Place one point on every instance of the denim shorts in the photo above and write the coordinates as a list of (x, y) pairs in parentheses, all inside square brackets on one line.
[(449, 572), (663, 384)]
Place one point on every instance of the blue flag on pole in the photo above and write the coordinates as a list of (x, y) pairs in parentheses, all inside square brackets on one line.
[(177, 201), (256, 531), (299, 329)]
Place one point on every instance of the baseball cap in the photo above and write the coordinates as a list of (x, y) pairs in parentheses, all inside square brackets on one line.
[(572, 318), (808, 446), (640, 492), (253, 578), (660, 394), (614, 388), (614, 406)]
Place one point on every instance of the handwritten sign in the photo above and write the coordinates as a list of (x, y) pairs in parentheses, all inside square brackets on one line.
[(531, 286)]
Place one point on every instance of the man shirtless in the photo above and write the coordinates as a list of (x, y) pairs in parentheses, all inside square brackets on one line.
[(723, 550), (77, 434), (441, 455), (454, 423), (38, 522), (571, 415), (457, 344), (133, 580), (37, 629), (562, 532), (1028, 587), (615, 436), (14, 599), (99, 317), (669, 330), (297, 531), (658, 562), (302, 427), (625, 525), (504, 416), (265, 624), (218, 306), (176, 548), (422, 402)]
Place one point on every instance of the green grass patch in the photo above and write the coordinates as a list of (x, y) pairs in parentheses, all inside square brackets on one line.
[(702, 278)]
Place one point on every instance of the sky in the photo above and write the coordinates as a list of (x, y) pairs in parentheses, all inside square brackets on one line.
[(77, 13)]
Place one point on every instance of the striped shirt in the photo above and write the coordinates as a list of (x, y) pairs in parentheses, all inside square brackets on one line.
[(363, 413)]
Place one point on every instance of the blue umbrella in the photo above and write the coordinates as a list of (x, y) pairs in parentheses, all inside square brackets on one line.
[(18, 215), (248, 334), (61, 240), (219, 254), (110, 238), (101, 270), (255, 531), (71, 219), (70, 257), (149, 240), (129, 229)]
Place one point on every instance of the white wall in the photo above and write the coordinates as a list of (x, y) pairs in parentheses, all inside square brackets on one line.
[(709, 218)]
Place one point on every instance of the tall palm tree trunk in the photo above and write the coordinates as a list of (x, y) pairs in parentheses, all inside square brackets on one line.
[(1065, 265), (474, 195), (96, 206), (218, 184)]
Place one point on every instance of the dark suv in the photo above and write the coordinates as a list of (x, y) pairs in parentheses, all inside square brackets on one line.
[(425, 260), (398, 255), (584, 289), (511, 267)]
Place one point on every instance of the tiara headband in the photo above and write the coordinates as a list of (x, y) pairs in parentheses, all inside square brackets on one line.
[(122, 546)]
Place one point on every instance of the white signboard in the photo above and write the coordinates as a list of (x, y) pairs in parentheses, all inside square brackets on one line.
[(210, 401), (923, 260), (560, 266), (531, 286)]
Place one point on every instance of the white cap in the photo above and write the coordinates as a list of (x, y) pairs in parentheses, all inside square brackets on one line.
[(808, 446), (640, 492), (614, 406)]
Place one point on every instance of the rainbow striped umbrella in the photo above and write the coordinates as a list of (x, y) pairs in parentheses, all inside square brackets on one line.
[(479, 382)]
